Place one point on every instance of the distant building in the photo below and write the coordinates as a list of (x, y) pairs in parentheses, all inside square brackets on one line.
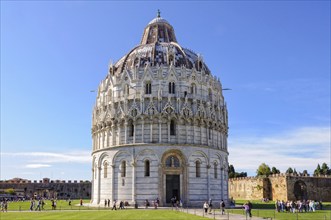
[(281, 187), (47, 188), (160, 125)]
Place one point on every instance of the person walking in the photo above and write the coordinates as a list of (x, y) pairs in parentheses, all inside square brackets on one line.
[(114, 205), (222, 205)]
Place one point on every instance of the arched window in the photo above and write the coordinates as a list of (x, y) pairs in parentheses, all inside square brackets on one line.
[(172, 87), (215, 170), (147, 168), (131, 129), (123, 170), (172, 127), (197, 168), (148, 88), (172, 161), (105, 170), (185, 94)]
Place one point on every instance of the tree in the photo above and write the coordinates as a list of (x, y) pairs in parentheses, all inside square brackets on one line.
[(305, 172), (274, 170), (10, 191), (289, 170), (325, 169), (263, 170), (295, 172), (317, 171), (234, 174)]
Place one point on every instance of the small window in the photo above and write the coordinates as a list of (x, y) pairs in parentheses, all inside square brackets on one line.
[(123, 170), (147, 168), (105, 170), (172, 88), (131, 129), (185, 94), (123, 182), (197, 168), (148, 88), (210, 131), (215, 170), (172, 127)]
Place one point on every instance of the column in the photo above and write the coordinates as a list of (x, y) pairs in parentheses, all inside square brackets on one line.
[(112, 182), (208, 180), (133, 182), (119, 132), (142, 130), (160, 130), (186, 133), (126, 131), (134, 131), (222, 184), (151, 130), (113, 134), (99, 184), (168, 123)]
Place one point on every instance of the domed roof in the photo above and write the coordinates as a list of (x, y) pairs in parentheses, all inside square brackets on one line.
[(159, 46)]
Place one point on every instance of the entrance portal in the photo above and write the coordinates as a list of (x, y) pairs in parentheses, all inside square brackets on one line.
[(172, 187)]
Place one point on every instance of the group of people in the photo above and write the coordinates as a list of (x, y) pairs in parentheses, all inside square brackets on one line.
[(297, 206), (114, 204), (37, 204), (156, 203), (4, 205), (176, 203), (209, 206)]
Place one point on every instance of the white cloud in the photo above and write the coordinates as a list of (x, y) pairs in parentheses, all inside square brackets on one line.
[(51, 157), (301, 148), (35, 166)]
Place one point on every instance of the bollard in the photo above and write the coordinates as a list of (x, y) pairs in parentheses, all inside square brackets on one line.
[(214, 214)]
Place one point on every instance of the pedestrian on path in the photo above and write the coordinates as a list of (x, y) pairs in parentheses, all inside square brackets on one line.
[(205, 207), (222, 205)]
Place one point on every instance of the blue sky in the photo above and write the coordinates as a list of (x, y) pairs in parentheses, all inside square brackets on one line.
[(274, 55)]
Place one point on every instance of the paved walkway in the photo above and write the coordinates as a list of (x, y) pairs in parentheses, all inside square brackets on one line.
[(217, 215)]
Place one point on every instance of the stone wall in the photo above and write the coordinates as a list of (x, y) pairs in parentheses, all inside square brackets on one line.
[(281, 187), (49, 189)]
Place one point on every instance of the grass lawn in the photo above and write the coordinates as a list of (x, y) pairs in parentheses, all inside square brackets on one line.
[(102, 214)]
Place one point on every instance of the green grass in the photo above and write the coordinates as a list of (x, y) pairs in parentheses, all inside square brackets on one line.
[(257, 204), (102, 214)]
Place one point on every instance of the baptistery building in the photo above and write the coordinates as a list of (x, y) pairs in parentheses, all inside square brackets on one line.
[(160, 126)]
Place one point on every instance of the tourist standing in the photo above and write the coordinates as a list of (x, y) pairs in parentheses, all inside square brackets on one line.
[(205, 207), (210, 204), (250, 206), (246, 207)]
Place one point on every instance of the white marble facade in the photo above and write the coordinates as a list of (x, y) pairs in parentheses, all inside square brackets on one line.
[(160, 126)]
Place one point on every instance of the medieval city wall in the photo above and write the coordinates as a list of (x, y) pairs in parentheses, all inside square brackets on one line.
[(48, 189), (281, 187)]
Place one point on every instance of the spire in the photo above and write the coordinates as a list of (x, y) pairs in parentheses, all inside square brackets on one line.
[(158, 13)]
